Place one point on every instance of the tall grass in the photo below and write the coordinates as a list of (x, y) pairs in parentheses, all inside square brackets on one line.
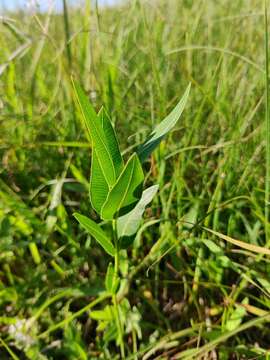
[(189, 292), (267, 121)]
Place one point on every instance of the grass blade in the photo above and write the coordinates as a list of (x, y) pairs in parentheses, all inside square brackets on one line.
[(11, 353), (199, 352), (254, 248), (267, 121)]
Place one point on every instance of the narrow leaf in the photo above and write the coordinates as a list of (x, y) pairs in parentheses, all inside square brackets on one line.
[(95, 231), (236, 317), (111, 139), (213, 247), (241, 244), (163, 128), (126, 192), (99, 143), (128, 224), (112, 280), (102, 315), (109, 277), (99, 187)]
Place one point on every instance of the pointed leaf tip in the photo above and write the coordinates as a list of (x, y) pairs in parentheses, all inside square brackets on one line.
[(95, 230), (163, 128)]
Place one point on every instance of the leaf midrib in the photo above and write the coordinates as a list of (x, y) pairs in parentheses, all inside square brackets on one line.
[(181, 102), (125, 227), (129, 182), (104, 144), (119, 178), (130, 217)]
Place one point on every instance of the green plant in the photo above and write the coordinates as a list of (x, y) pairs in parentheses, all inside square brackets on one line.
[(116, 194), (184, 288)]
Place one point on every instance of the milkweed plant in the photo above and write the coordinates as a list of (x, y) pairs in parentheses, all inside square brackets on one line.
[(117, 194)]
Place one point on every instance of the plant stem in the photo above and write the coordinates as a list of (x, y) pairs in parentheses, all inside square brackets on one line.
[(67, 33), (267, 120), (114, 297)]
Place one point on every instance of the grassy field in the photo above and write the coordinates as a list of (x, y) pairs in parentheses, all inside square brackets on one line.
[(188, 290)]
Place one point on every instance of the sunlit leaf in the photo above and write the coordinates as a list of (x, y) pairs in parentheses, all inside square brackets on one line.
[(99, 187), (112, 280), (126, 192), (128, 224), (109, 277), (95, 231), (104, 315), (104, 145), (162, 129), (236, 317), (241, 244)]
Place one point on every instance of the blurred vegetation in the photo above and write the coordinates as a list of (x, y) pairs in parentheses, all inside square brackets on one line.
[(198, 296)]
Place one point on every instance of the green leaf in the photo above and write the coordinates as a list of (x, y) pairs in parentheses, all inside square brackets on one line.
[(111, 139), (265, 283), (104, 145), (95, 231), (112, 280), (236, 316), (214, 248), (99, 187), (109, 277), (102, 315), (126, 192), (163, 128), (128, 224)]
